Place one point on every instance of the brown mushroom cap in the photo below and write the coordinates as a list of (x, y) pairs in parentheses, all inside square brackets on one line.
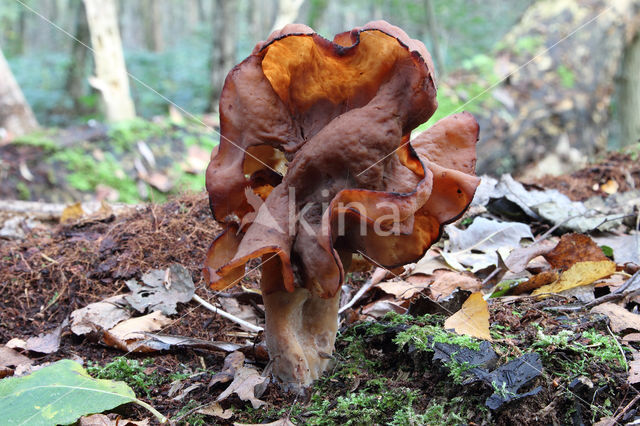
[(308, 125)]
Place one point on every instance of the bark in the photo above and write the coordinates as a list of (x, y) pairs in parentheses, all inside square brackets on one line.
[(16, 116), (630, 94), (432, 27), (153, 26), (223, 55), (287, 13), (76, 73), (111, 77), (555, 112)]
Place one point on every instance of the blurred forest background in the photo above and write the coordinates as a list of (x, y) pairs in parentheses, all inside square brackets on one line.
[(553, 83)]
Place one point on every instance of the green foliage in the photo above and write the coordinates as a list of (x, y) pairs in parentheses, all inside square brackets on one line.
[(567, 77), (125, 134), (24, 193), (60, 394), (424, 338), (130, 371), (446, 414), (86, 173), (41, 139)]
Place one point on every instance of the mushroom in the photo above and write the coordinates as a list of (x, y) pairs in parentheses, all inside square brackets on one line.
[(315, 165)]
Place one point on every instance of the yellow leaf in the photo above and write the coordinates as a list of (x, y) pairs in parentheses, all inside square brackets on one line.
[(472, 319), (72, 212), (582, 273)]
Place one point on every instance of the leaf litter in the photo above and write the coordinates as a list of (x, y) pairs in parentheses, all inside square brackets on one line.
[(90, 262)]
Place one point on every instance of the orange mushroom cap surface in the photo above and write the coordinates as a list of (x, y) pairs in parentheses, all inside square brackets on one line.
[(315, 161)]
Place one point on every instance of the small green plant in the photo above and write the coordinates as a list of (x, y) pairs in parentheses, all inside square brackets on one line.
[(424, 338), (192, 419), (24, 193), (567, 77), (457, 370), (130, 371)]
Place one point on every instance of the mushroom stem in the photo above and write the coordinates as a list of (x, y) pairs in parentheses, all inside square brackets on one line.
[(300, 332)]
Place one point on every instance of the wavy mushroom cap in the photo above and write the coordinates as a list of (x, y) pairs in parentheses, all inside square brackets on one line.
[(315, 163)]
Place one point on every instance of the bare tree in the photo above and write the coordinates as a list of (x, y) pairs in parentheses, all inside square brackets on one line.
[(224, 47), (287, 13), (153, 26), (630, 94), (111, 77), (76, 72), (16, 116)]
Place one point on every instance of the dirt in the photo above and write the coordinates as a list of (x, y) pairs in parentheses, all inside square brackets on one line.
[(59, 269)]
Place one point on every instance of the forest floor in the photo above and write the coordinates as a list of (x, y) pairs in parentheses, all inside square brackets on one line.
[(394, 363)]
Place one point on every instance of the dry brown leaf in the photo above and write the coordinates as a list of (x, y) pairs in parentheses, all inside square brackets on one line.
[(244, 383), (46, 343), (634, 369), (472, 319), (631, 337), (619, 318), (403, 289), (581, 273), (446, 282), (232, 363), (104, 420), (197, 160), (72, 212), (10, 360), (572, 249), (128, 335), (537, 281), (159, 181), (519, 258), (215, 410), (101, 315), (380, 307)]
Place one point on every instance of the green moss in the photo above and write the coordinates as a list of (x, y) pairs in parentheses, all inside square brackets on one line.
[(125, 134), (24, 193), (41, 139), (567, 77), (86, 173), (424, 338), (130, 371)]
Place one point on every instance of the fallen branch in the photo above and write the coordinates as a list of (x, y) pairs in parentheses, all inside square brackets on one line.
[(227, 315)]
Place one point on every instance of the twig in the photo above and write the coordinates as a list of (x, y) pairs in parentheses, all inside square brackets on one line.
[(620, 293), (625, 409), (227, 315), (377, 276), (624, 358)]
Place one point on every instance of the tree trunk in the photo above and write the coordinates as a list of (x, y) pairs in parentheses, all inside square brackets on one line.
[(630, 94), (554, 108), (111, 77), (16, 117), (287, 13), (77, 71), (432, 27), (153, 26), (223, 55)]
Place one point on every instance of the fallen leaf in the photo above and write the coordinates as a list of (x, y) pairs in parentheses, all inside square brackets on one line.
[(472, 319), (10, 360), (519, 258), (100, 315), (574, 248), (447, 282), (626, 248), (619, 318), (215, 410), (104, 420), (610, 187), (537, 281), (243, 385), (232, 363), (631, 337), (403, 289), (477, 247), (197, 159), (162, 290), (432, 261), (634, 369), (164, 342), (46, 343), (158, 180), (383, 306), (582, 273), (72, 212), (129, 335)]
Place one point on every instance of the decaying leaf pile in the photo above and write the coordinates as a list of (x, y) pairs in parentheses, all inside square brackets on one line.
[(525, 313)]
